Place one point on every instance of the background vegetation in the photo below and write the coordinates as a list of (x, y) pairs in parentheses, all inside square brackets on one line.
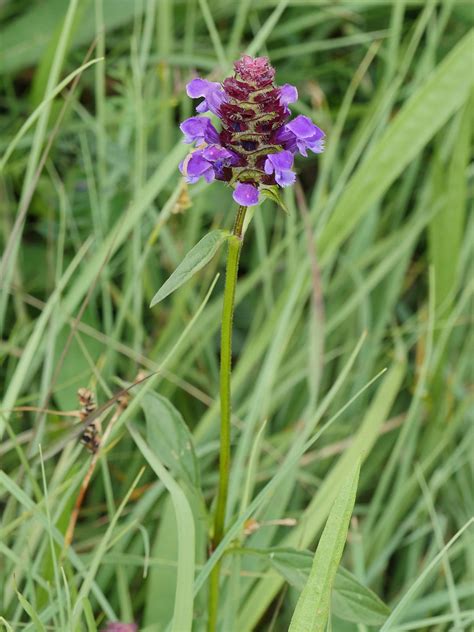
[(353, 309)]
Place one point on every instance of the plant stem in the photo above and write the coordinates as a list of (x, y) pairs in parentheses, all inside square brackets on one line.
[(232, 267)]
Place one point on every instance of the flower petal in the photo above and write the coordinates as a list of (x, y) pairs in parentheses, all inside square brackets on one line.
[(303, 127), (199, 87), (268, 166), (281, 164), (281, 160), (216, 152), (285, 178), (301, 134), (199, 129), (196, 166), (288, 94), (210, 90), (246, 194)]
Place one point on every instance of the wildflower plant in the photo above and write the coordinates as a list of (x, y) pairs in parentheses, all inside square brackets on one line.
[(255, 149), (253, 153)]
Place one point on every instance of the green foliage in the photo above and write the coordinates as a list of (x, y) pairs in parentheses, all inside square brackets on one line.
[(169, 437), (351, 600), (352, 330), (313, 607), (195, 259)]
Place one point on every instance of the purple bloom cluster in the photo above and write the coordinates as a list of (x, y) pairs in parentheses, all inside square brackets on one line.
[(257, 143)]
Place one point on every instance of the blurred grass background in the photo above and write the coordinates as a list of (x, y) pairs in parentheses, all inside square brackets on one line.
[(93, 218)]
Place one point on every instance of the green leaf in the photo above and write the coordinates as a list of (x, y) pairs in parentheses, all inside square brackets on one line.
[(89, 616), (185, 530), (351, 600), (312, 610), (292, 564), (446, 228), (444, 92), (30, 611), (196, 259), (6, 625), (162, 579), (354, 602), (273, 193), (170, 439)]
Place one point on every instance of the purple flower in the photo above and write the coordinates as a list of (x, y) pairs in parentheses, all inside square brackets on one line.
[(216, 153), (280, 164), (195, 166), (210, 90), (256, 144), (288, 94), (199, 129), (246, 194), (207, 163), (118, 626), (301, 134)]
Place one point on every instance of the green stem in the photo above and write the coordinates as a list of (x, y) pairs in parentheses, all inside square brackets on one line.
[(232, 267)]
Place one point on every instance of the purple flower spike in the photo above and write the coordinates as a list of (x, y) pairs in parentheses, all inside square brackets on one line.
[(246, 194), (199, 129), (281, 164), (257, 141), (210, 90), (306, 135)]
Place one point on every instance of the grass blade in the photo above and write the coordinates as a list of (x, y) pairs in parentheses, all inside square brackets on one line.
[(312, 610), (425, 113), (183, 607)]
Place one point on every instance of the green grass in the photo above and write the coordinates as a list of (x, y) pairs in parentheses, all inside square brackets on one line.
[(352, 332)]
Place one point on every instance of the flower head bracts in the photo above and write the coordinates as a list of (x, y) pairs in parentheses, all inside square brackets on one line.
[(256, 145)]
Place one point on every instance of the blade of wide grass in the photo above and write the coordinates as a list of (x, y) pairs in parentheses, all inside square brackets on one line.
[(446, 228), (183, 608), (313, 606)]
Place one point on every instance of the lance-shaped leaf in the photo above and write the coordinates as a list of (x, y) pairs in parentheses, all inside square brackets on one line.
[(351, 600), (196, 259), (170, 438), (312, 610), (354, 602)]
